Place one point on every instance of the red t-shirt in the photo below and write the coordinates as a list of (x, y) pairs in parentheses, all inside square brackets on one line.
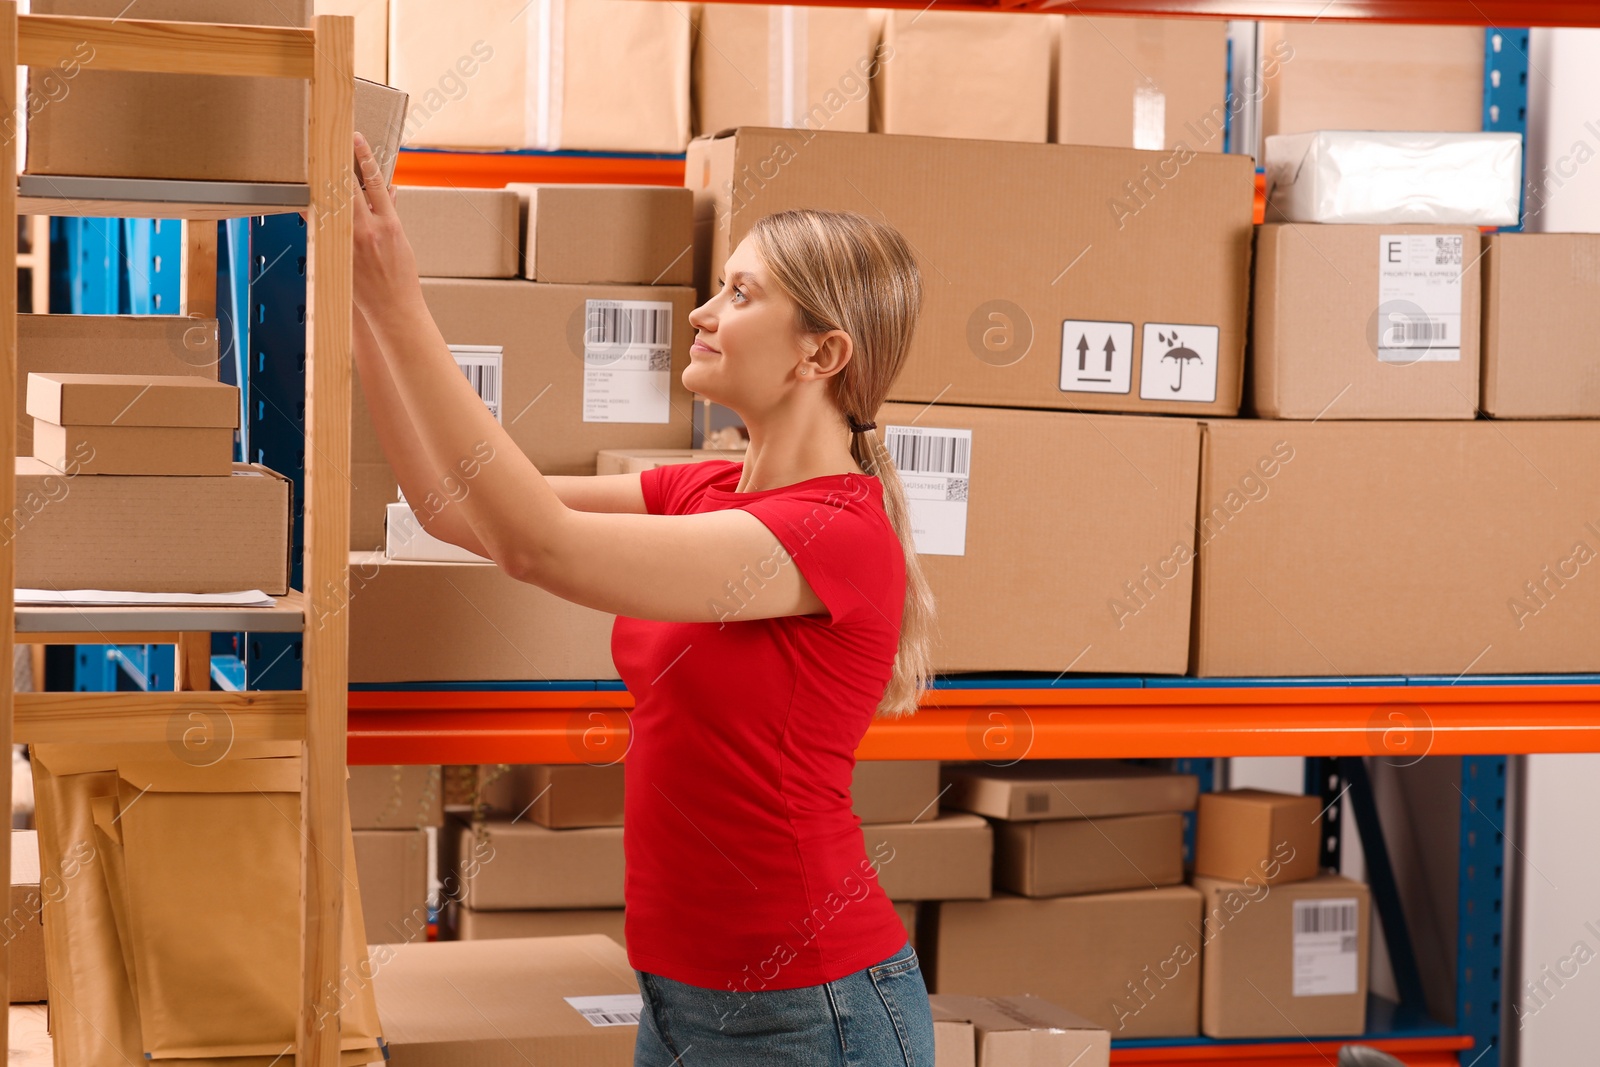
[(746, 868)]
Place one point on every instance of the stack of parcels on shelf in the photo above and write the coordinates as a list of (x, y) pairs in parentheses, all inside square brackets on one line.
[(1015, 1031), (1089, 911), (133, 423), (25, 924), (394, 813), (172, 936)]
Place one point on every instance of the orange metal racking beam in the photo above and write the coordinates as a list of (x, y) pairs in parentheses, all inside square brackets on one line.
[(1413, 1051), (493, 170)]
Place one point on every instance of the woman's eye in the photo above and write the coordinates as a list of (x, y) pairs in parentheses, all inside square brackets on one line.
[(739, 293)]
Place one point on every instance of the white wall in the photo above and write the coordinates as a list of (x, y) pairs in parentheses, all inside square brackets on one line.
[(1563, 164)]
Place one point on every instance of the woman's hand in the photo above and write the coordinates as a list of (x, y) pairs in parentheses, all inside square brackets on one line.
[(383, 267)]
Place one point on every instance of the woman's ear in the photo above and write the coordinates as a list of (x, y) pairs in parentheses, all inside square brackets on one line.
[(832, 354)]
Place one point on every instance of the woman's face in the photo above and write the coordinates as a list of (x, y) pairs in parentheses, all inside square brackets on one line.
[(746, 349)]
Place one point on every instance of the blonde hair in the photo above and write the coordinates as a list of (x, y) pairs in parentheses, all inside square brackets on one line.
[(849, 272)]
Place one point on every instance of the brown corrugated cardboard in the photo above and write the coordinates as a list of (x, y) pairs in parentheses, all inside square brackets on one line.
[(125, 124), (948, 857), (907, 911), (24, 927), (1021, 1031), (1128, 962), (392, 869), (525, 865), (159, 450), (98, 344), (1065, 789), (1540, 292), (1055, 857), (471, 925), (780, 65), (1025, 289), (151, 534), (611, 234), (1365, 322), (483, 626), (958, 74), (131, 400), (460, 233), (1472, 536), (1287, 960), (894, 790), (954, 1043), (560, 796), (638, 460), (503, 1003), (1251, 835), (1332, 76), (1142, 83), (1012, 595), (395, 798), (379, 112), (372, 33)]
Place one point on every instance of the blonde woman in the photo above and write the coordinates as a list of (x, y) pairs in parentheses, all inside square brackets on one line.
[(766, 612)]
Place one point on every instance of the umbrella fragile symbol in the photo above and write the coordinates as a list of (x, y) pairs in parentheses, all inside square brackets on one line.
[(1179, 355)]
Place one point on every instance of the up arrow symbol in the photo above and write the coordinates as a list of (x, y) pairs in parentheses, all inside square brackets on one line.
[(1083, 350), (1110, 349)]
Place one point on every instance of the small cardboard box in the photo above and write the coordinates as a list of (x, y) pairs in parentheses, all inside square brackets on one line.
[(1066, 789), (379, 113), (395, 798), (1365, 322), (894, 790), (468, 924), (1056, 857), (1251, 835), (392, 870), (405, 539), (132, 400), (1287, 960), (1020, 1031), (1541, 296), (153, 450), (460, 233), (638, 460), (943, 858), (606, 234), (535, 867), (561, 796), (24, 927)]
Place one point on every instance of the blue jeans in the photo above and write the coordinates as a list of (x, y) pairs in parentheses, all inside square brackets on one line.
[(877, 1017)]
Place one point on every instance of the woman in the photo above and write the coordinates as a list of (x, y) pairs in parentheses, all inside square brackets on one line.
[(765, 612)]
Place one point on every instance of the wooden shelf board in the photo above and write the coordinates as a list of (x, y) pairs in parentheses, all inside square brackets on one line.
[(92, 625)]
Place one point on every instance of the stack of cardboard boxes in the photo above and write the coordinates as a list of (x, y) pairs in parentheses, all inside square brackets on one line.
[(394, 812)]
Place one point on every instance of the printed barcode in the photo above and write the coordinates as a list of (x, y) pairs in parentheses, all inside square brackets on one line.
[(629, 326), (1338, 917), (601, 1017), (1446, 250), (485, 379), (1427, 330), (929, 453)]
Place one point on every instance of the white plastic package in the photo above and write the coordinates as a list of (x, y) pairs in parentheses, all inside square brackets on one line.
[(1470, 179)]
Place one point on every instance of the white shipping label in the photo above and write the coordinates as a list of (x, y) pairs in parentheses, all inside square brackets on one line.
[(627, 360), (934, 466), (611, 1009), (1149, 118), (1419, 298), (482, 365), (1096, 357), (1179, 362), (1326, 947)]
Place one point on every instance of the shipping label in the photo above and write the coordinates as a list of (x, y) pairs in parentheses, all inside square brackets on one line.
[(1326, 947), (1096, 357), (627, 361), (482, 365), (934, 466), (1419, 298), (611, 1009)]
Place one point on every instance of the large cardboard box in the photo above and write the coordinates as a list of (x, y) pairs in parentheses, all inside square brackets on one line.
[(1020, 1031), (460, 233), (372, 33), (1352, 76), (1128, 962), (1065, 789), (163, 533), (638, 460), (1541, 294), (560, 796), (1365, 322), (954, 1040), (392, 869), (524, 865), (24, 926), (612, 234), (468, 924), (1052, 540), (894, 790), (1055, 857), (1142, 83), (947, 857), (1287, 960), (395, 798), (783, 65), (126, 124), (193, 450), (483, 625), (1252, 835), (1397, 548), (506, 1003), (611, 75), (1054, 276)]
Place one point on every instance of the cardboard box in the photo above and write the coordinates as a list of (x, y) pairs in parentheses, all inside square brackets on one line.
[(1365, 322), (525, 865), (99, 344), (471, 925), (1540, 290), (1065, 789), (379, 117), (1055, 857), (1251, 835), (956, 74), (1288, 960), (894, 790), (405, 539), (612, 234), (395, 798), (1470, 535), (907, 911), (132, 400), (171, 534), (1019, 1031), (954, 1040), (125, 124), (1128, 962), (781, 65), (24, 927), (612, 76), (1010, 594), (504, 1003), (1328, 76), (560, 796), (1142, 83), (460, 233), (483, 626), (947, 857), (372, 33), (638, 460), (158, 450), (392, 869), (1057, 254)]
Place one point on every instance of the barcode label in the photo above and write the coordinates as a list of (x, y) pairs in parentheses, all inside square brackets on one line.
[(616, 1009), (1447, 250), (1325, 917), (1326, 947), (627, 357), (1419, 298), (931, 453), (1405, 332), (482, 365), (935, 468)]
